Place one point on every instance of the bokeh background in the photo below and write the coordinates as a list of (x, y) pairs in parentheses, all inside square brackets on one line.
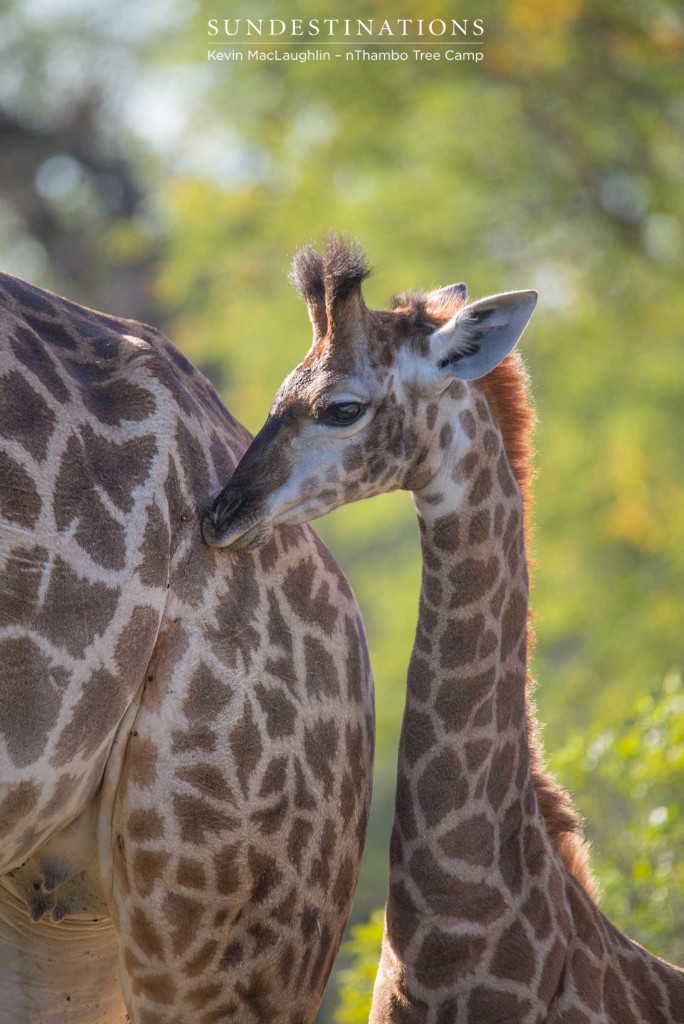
[(137, 178)]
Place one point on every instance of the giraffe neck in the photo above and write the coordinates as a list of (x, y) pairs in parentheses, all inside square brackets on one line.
[(469, 844), (466, 703)]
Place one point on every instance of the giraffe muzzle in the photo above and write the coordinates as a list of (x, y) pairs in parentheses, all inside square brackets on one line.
[(218, 519), (242, 515), (225, 506)]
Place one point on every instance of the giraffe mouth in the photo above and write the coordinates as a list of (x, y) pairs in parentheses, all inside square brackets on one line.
[(226, 525), (238, 537)]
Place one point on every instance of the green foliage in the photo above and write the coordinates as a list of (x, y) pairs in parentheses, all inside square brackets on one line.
[(356, 981), (628, 781)]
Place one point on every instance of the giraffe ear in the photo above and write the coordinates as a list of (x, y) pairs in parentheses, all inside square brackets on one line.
[(479, 336)]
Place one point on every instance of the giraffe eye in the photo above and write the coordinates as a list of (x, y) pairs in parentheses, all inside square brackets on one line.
[(341, 413)]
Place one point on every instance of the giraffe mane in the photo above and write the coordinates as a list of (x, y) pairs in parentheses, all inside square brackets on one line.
[(507, 391)]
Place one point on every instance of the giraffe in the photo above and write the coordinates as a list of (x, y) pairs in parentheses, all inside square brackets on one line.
[(491, 914), (186, 734)]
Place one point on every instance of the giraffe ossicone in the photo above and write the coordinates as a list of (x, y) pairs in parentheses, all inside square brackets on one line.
[(491, 911)]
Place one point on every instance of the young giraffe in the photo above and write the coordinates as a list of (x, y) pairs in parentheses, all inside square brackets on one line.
[(185, 734), (490, 914)]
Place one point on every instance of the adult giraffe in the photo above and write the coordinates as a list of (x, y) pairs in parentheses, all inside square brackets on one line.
[(490, 915), (185, 734)]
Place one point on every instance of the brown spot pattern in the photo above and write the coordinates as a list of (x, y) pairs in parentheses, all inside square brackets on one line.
[(19, 499), (25, 416)]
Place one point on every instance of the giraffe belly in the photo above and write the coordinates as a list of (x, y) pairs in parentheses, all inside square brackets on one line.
[(58, 948), (73, 652), (56, 972), (61, 879)]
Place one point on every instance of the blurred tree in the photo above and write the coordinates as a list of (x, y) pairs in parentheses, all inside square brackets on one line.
[(628, 781), (74, 211)]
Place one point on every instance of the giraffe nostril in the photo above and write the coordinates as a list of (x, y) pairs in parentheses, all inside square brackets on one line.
[(226, 505)]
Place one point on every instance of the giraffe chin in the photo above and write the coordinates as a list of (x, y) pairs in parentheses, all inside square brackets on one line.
[(255, 538), (237, 537)]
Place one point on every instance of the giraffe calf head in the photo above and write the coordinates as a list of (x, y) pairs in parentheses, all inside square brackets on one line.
[(358, 416)]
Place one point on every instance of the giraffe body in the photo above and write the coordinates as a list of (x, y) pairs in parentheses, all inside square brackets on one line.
[(490, 914), (185, 735)]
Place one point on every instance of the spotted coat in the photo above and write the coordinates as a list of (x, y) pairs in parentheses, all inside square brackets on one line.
[(185, 734)]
